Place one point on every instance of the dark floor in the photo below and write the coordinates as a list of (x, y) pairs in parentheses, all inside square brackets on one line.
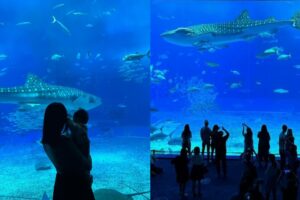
[(164, 186)]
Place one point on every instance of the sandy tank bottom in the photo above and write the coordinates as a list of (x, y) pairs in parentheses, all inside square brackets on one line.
[(120, 162)]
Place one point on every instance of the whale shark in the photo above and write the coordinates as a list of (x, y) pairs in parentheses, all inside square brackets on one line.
[(37, 93), (210, 37)]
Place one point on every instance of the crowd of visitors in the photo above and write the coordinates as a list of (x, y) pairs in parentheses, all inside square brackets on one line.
[(278, 176)]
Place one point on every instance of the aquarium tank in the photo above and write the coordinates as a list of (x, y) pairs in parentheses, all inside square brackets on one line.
[(91, 54), (230, 62)]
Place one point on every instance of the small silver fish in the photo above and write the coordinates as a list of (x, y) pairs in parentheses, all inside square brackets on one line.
[(3, 57), (281, 91), (297, 66), (58, 6), (284, 57), (235, 85), (235, 72), (23, 23)]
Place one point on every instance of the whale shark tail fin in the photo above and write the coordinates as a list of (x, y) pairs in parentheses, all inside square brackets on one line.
[(296, 20)]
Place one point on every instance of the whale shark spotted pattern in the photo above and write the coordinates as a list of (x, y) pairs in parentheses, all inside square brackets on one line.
[(35, 92), (215, 36)]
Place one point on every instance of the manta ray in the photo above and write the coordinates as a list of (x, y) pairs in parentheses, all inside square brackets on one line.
[(36, 93), (215, 36)]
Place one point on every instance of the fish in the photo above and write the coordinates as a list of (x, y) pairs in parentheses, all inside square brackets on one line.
[(193, 89), (78, 13), (269, 52), (206, 37), (3, 57), (203, 72), (58, 6), (2, 23), (111, 194), (273, 50), (135, 56), (258, 83), (208, 86), (157, 75), (106, 13), (3, 71), (281, 91), (35, 93), (212, 64), (56, 57), (23, 23), (235, 72), (54, 20), (70, 12), (267, 34), (235, 85), (284, 57), (98, 56), (297, 66)]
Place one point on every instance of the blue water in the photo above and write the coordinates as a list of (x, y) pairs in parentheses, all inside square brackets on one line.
[(253, 101), (97, 35)]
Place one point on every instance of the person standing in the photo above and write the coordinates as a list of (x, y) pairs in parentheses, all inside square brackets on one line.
[(221, 152), (282, 152), (205, 133), (263, 144), (248, 139), (197, 172), (186, 138), (182, 171), (291, 152), (213, 140)]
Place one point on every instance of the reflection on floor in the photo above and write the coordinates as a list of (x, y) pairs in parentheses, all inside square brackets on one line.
[(120, 162), (164, 186)]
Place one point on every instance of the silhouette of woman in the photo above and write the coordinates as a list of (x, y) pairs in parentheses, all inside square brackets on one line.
[(186, 138), (71, 181)]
